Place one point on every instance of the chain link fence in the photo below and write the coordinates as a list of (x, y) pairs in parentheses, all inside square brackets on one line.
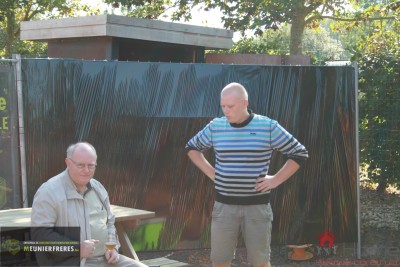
[(379, 109)]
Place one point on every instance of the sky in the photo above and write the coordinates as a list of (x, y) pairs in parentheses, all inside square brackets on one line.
[(210, 18)]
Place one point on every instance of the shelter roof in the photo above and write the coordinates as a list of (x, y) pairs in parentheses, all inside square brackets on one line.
[(127, 27)]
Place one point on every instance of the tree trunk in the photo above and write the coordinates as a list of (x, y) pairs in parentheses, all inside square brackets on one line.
[(297, 30), (10, 16), (382, 185)]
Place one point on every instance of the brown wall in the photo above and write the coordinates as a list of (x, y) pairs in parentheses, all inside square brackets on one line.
[(257, 59), (111, 48), (93, 48)]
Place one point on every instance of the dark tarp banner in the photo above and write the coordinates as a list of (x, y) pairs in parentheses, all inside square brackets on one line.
[(139, 117), (10, 179)]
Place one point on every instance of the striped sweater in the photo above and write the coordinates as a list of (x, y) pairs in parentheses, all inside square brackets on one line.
[(243, 154)]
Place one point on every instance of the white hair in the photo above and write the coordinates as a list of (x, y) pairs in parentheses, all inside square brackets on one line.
[(71, 149)]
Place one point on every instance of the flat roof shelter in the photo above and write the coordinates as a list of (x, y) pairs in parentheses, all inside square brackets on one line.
[(112, 37)]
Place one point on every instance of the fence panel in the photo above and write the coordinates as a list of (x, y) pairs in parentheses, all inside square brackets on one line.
[(10, 180), (140, 115)]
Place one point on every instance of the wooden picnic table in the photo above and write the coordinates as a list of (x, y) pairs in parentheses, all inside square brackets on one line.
[(21, 218)]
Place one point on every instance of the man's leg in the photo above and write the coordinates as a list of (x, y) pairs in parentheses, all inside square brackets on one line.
[(123, 262), (257, 234), (225, 227), (266, 264), (226, 264)]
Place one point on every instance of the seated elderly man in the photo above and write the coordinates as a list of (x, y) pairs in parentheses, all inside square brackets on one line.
[(74, 198)]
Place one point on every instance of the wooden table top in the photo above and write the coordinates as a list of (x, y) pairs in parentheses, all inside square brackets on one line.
[(22, 217)]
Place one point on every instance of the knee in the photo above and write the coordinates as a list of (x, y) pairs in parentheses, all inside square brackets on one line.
[(265, 264), (224, 264)]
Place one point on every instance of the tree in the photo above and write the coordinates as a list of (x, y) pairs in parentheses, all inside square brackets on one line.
[(378, 55), (150, 9), (316, 42), (12, 12), (261, 15)]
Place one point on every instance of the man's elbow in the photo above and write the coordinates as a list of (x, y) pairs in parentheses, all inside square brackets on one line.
[(191, 152), (300, 161), (194, 154)]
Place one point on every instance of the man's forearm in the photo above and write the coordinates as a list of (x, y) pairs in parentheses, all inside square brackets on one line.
[(202, 163), (287, 171)]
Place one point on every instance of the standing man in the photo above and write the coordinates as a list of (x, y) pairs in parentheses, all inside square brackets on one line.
[(243, 143), (74, 198)]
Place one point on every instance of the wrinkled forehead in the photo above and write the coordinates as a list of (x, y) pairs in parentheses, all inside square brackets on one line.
[(84, 151)]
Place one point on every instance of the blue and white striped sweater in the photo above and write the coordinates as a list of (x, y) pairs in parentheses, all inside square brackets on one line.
[(243, 154)]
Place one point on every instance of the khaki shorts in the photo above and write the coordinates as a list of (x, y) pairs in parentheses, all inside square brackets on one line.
[(255, 224)]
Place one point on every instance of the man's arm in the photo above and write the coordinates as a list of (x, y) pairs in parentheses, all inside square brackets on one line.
[(272, 181), (202, 163), (296, 153), (43, 221)]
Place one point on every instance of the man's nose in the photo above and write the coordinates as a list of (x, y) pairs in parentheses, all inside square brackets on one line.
[(86, 168)]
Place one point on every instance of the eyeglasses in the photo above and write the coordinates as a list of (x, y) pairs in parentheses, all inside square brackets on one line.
[(90, 166)]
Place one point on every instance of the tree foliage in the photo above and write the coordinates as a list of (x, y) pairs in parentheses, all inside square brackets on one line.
[(150, 9), (378, 55), (261, 15), (316, 42), (12, 12)]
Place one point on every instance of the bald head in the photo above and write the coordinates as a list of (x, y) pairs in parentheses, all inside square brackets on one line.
[(234, 102), (81, 146), (236, 89)]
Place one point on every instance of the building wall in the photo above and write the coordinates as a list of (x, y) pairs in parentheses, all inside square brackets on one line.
[(122, 49), (92, 48), (257, 59)]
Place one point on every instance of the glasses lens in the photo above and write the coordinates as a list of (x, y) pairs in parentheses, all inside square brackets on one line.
[(82, 165), (91, 166)]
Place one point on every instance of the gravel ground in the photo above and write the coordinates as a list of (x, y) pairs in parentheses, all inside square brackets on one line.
[(380, 241)]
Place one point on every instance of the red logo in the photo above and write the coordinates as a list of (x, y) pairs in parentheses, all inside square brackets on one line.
[(326, 237)]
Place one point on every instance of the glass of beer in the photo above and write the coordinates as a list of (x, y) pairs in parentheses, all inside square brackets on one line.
[(110, 244)]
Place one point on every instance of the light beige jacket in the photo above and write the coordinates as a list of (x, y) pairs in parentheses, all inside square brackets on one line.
[(57, 203)]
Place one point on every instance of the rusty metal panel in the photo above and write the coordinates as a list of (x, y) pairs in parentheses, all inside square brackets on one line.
[(257, 59)]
